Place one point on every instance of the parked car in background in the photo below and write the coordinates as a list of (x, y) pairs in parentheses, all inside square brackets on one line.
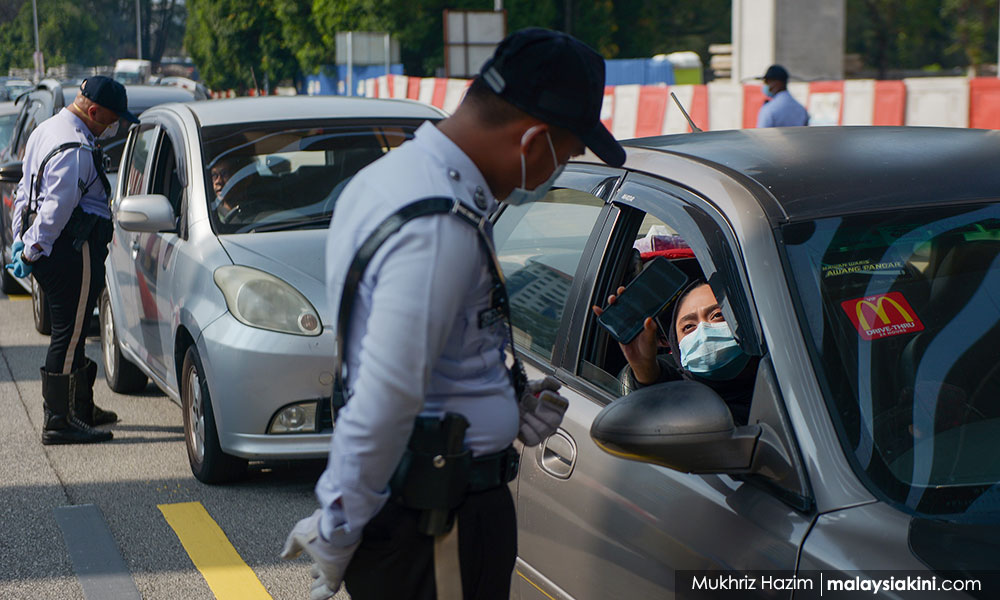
[(8, 118), (12, 87), (48, 98), (861, 267), (216, 273)]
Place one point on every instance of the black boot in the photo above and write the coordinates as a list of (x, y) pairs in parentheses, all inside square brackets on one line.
[(62, 426), (90, 413)]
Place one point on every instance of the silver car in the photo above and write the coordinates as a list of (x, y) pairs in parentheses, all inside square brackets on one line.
[(215, 276), (860, 265)]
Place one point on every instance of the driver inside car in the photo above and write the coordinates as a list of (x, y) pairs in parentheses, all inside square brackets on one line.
[(230, 190), (701, 346)]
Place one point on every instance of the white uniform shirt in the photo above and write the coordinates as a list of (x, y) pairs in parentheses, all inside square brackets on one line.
[(60, 192), (782, 111), (415, 346)]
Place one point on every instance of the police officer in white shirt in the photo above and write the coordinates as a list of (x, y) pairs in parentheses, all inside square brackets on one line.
[(61, 225), (782, 110), (419, 347)]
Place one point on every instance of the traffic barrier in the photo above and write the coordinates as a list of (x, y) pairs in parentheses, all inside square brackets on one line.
[(645, 110)]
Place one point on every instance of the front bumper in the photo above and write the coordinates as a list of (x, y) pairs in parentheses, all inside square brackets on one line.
[(252, 373)]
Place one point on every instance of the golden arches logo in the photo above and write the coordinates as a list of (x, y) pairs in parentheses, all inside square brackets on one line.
[(878, 307)]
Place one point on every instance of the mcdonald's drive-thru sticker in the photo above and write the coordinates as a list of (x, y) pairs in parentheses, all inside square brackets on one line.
[(882, 316)]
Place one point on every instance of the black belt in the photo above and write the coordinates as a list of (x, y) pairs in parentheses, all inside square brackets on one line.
[(493, 470)]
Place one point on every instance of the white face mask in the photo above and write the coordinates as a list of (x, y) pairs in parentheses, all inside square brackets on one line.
[(711, 351), (520, 195), (109, 131)]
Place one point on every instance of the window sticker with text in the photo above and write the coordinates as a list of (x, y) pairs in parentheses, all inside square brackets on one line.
[(884, 315)]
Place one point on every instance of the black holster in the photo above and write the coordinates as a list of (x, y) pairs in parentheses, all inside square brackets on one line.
[(433, 476)]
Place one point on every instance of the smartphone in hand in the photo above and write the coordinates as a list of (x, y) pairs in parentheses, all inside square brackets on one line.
[(647, 294)]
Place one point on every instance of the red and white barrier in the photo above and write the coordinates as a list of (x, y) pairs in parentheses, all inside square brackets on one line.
[(645, 110)]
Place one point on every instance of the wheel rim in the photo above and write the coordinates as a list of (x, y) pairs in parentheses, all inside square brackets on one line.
[(108, 341), (196, 415)]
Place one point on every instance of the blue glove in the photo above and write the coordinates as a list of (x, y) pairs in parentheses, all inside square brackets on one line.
[(21, 268), (16, 247)]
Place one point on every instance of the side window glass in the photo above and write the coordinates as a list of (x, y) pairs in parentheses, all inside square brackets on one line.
[(540, 245), (28, 125), (139, 161), (165, 178)]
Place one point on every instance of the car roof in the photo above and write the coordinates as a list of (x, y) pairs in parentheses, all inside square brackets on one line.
[(140, 97), (280, 108), (815, 172)]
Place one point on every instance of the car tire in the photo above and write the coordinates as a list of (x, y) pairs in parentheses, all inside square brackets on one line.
[(121, 374), (8, 284), (209, 463), (40, 309)]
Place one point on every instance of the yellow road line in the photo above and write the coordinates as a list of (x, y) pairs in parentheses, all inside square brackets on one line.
[(222, 567), (534, 585)]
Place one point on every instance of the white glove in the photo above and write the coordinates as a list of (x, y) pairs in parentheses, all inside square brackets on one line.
[(329, 561), (541, 410)]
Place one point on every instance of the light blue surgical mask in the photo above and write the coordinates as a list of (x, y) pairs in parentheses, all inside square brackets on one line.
[(711, 351), (766, 90), (520, 195)]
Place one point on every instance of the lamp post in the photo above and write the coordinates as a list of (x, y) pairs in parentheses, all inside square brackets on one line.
[(38, 52), (138, 31)]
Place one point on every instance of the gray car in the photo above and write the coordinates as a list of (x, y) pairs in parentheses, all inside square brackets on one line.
[(860, 267), (215, 276)]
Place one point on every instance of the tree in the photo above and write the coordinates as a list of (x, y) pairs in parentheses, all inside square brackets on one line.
[(67, 32), (238, 43)]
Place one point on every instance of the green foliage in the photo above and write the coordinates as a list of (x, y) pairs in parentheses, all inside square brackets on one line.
[(67, 32), (238, 43), (914, 34)]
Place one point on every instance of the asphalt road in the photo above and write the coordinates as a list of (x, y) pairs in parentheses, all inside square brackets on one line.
[(56, 501)]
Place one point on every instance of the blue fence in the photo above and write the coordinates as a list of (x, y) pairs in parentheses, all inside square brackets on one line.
[(332, 79)]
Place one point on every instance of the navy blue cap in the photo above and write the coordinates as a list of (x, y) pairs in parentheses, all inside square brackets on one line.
[(558, 79), (108, 93), (776, 72)]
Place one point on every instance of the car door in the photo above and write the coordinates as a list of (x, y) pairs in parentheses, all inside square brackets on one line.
[(591, 525), (125, 262), (156, 253)]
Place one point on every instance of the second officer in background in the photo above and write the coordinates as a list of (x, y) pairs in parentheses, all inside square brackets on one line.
[(61, 228)]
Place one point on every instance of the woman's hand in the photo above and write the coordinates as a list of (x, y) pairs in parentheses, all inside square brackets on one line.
[(641, 351)]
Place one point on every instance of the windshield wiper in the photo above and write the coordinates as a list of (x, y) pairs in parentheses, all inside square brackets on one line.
[(292, 223)]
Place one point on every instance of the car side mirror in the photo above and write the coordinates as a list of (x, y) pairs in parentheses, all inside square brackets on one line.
[(10, 173), (148, 213), (681, 425)]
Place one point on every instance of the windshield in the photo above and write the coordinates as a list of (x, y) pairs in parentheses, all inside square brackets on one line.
[(267, 177), (902, 313)]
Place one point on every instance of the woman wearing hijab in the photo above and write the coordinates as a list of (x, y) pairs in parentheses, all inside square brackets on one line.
[(702, 348)]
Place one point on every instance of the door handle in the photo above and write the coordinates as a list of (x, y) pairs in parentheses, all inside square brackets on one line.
[(557, 456)]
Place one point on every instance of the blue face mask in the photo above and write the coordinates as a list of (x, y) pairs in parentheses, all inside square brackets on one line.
[(766, 90), (711, 351), (520, 195)]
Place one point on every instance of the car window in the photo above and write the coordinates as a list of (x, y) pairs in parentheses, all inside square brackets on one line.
[(603, 365), (287, 175), (165, 179), (32, 115), (902, 317), (540, 246), (139, 163)]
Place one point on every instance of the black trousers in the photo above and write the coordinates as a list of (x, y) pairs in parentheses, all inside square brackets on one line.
[(395, 561), (72, 281)]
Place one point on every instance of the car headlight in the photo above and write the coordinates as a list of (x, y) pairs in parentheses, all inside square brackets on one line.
[(261, 300), (295, 418)]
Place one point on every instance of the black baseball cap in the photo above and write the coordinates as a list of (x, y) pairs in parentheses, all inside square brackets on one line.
[(108, 93), (776, 72), (558, 79)]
